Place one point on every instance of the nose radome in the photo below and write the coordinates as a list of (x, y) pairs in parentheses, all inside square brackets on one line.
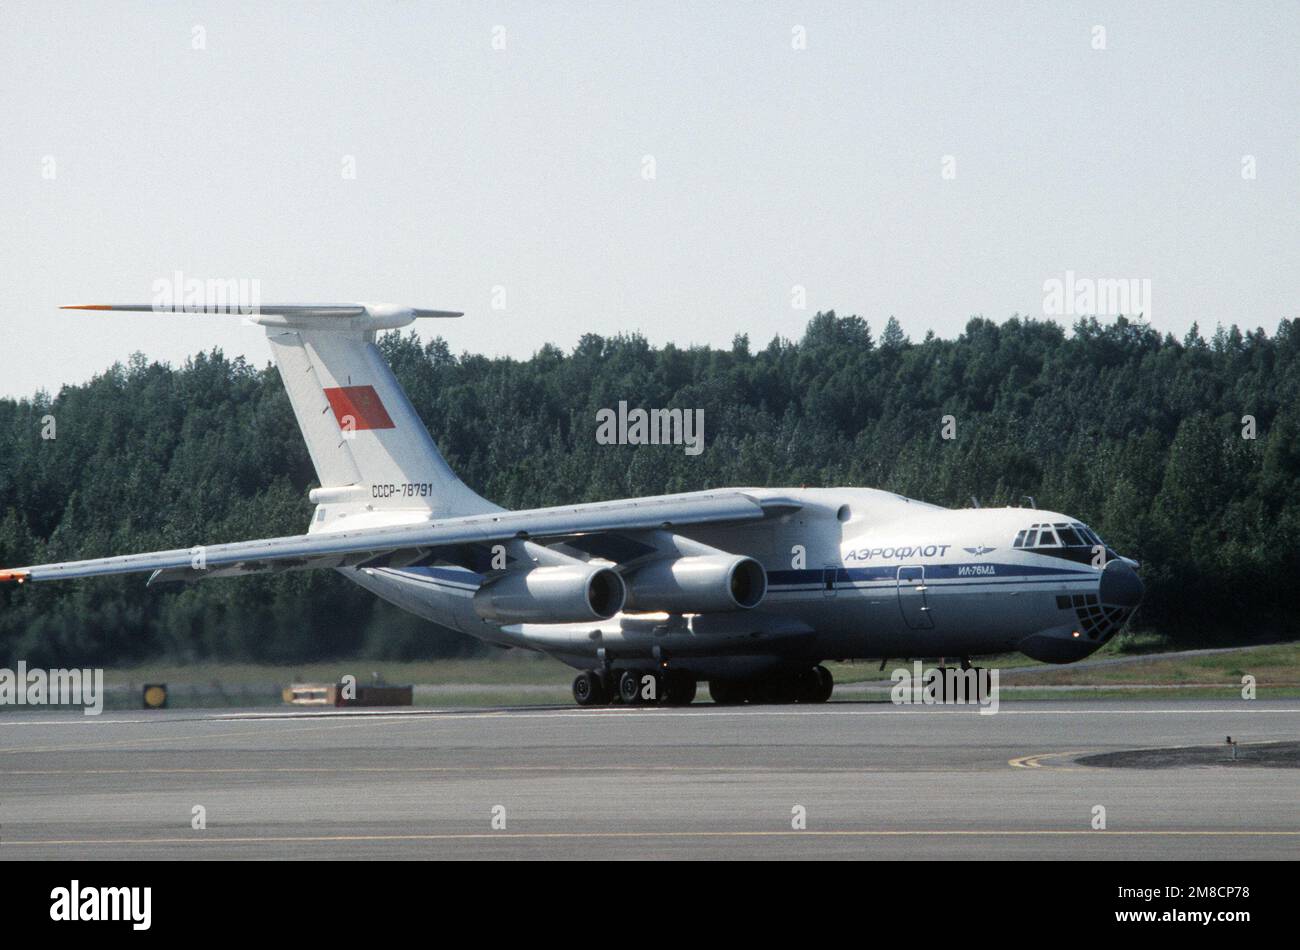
[(1120, 585)]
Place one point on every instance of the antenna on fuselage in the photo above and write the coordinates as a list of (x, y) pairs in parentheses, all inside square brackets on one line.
[(1030, 499), (974, 502)]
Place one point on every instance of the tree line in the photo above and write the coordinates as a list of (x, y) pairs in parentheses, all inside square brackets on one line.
[(1180, 453)]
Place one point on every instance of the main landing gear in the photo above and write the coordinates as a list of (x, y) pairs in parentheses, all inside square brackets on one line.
[(589, 689), (807, 686), (677, 688), (635, 688)]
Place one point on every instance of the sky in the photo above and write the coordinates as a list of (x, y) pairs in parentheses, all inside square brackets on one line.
[(686, 171)]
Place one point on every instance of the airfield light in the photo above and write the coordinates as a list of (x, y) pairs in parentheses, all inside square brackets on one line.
[(155, 696)]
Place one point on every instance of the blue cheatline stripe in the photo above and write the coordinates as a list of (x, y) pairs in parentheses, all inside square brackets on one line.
[(945, 576), (1003, 570), (944, 585), (844, 575), (775, 591)]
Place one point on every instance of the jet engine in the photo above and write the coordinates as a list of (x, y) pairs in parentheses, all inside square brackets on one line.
[(561, 594), (697, 584)]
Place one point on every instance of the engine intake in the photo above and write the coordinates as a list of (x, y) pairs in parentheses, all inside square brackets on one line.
[(697, 584), (564, 594)]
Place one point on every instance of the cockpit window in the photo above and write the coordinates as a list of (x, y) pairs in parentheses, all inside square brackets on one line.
[(1068, 536), (1062, 535)]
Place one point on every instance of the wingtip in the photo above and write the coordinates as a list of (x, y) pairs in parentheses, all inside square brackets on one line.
[(86, 306), (14, 576)]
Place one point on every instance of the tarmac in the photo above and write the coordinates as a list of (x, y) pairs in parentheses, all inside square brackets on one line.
[(866, 780)]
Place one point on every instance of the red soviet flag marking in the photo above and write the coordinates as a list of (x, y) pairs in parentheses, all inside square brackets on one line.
[(358, 407)]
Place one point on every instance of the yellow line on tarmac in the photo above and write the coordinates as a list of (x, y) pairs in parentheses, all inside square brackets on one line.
[(1036, 761)]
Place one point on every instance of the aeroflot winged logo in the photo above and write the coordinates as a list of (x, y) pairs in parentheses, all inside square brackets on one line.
[(358, 407), (979, 550)]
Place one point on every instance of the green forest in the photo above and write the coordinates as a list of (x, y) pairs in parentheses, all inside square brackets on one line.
[(1142, 435)]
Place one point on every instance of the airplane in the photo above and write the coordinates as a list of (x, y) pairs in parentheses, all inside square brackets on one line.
[(749, 589)]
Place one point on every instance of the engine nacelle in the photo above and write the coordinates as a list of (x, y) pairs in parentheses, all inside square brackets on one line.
[(562, 594), (697, 584)]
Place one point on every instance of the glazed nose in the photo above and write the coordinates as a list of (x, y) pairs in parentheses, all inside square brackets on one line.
[(1120, 585)]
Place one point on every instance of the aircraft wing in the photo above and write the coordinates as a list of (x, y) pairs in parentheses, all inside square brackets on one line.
[(411, 545)]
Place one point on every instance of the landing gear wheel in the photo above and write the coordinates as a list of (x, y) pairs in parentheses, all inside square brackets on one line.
[(629, 687), (680, 689), (825, 685), (589, 689)]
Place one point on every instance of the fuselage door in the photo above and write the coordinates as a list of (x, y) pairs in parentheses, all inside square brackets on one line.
[(912, 599)]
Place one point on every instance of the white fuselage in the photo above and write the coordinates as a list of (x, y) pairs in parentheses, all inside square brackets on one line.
[(852, 573)]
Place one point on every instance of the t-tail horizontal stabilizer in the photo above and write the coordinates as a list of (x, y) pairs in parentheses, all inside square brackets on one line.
[(362, 316)]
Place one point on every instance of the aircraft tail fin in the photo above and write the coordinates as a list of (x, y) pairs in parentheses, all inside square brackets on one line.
[(369, 447)]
